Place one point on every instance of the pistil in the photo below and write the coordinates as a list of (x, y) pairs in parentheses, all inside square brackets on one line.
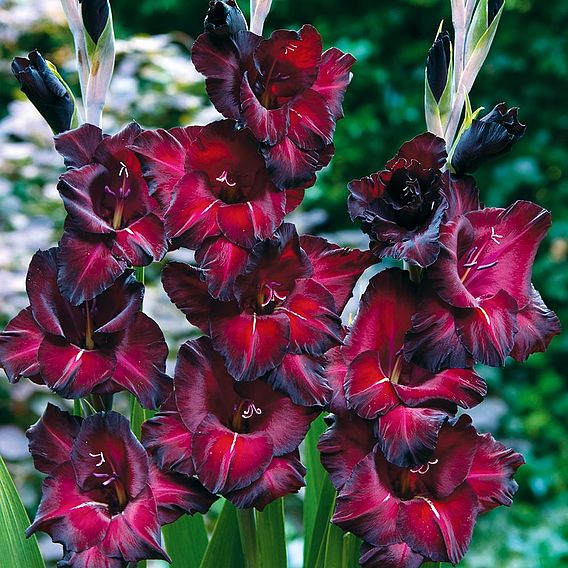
[(242, 414), (89, 341)]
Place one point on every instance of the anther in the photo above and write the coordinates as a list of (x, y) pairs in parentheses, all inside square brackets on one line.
[(101, 455), (495, 237), (224, 178)]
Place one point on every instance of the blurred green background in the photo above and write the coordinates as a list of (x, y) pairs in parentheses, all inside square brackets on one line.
[(155, 84)]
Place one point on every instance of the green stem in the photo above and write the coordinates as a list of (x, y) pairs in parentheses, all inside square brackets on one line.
[(139, 273), (247, 530)]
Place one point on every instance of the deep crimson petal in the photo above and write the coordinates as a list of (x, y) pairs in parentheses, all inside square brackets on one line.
[(295, 196), (344, 445), (427, 149), (221, 261), (362, 192), (177, 495), (488, 331), (19, 345), (141, 362), (312, 123), (87, 266), (384, 316), (302, 378), (168, 440), (135, 533), (50, 310), (284, 476), (109, 434), (315, 326), (192, 215), (290, 167), (408, 436), (90, 558), (398, 555), (188, 292), (78, 146), (236, 222), (336, 268), (69, 516), (366, 505), (491, 473), (335, 372), (440, 530), (267, 125), (463, 387), (461, 194), (537, 326), (368, 390), (73, 372), (162, 155), (433, 341), (225, 460), (251, 344), (114, 149), (142, 242), (75, 190), (117, 306), (51, 438), (333, 79)]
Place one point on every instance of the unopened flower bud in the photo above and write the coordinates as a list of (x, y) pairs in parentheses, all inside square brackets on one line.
[(224, 18), (489, 137), (95, 16), (437, 64), (44, 90)]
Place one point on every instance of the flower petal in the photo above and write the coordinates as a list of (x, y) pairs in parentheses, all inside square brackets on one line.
[(333, 79), (398, 555), (336, 268), (284, 476), (73, 372), (87, 266), (51, 438), (407, 436), (141, 362), (312, 123), (302, 378), (221, 261), (461, 194), (78, 146), (427, 149), (537, 326), (225, 460), (186, 289), (368, 391), (440, 530), (19, 346), (141, 242), (89, 558), (366, 505)]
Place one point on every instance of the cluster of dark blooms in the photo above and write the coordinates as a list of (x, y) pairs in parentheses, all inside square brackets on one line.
[(411, 477)]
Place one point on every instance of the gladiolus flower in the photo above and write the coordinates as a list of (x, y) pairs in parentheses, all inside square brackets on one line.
[(103, 499), (112, 222), (402, 207), (241, 439), (285, 90), (104, 345)]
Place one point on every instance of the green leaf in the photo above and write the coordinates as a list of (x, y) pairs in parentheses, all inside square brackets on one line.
[(351, 551), (247, 531), (224, 549), (314, 478), (317, 536), (270, 535), (431, 110), (17, 551), (334, 547), (186, 541), (137, 416)]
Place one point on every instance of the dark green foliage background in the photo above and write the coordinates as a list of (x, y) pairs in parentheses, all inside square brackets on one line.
[(527, 67)]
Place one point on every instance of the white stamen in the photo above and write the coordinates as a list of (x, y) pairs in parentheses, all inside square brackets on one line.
[(495, 237), (96, 456), (292, 47), (123, 170), (224, 178), (251, 409)]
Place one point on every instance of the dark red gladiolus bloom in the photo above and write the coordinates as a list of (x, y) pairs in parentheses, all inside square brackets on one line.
[(284, 89), (409, 402), (481, 297), (286, 305), (428, 510), (402, 207), (103, 345), (240, 439), (103, 499), (112, 222)]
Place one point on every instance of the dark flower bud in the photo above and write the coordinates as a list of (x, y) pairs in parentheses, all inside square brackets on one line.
[(95, 16), (493, 7), (488, 137), (437, 64), (224, 18), (45, 90)]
